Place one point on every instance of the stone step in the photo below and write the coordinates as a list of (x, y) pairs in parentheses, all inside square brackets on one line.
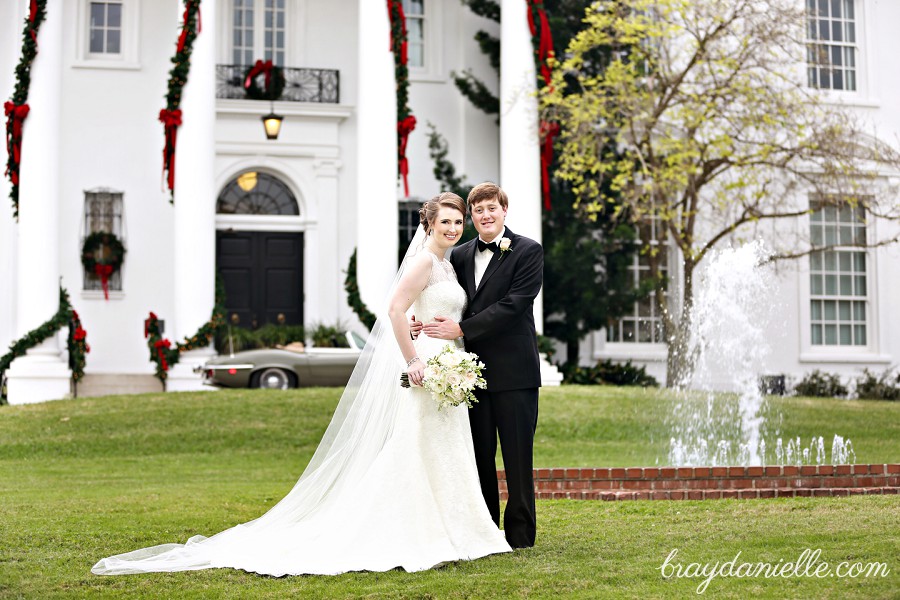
[(104, 384)]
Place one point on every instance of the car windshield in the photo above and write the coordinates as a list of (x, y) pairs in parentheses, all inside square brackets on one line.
[(358, 340)]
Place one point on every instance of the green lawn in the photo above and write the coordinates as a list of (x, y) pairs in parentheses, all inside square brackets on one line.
[(83, 479)]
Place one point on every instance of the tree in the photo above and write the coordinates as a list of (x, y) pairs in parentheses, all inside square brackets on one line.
[(701, 121)]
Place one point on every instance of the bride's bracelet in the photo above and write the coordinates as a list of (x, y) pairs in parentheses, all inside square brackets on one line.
[(411, 361)]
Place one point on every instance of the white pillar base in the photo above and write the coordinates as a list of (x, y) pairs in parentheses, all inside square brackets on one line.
[(550, 375), (37, 378), (182, 377)]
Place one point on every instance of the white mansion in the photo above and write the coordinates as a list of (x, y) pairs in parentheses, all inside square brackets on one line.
[(328, 184)]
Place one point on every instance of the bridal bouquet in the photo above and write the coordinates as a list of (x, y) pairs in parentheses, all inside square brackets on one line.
[(452, 375)]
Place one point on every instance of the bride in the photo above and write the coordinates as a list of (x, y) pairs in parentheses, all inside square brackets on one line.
[(393, 482)]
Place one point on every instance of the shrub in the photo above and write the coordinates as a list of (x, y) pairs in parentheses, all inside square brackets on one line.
[(329, 336), (821, 385), (271, 335), (546, 346), (267, 336), (608, 372), (878, 387)]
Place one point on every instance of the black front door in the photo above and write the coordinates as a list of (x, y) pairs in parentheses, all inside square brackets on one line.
[(263, 277)]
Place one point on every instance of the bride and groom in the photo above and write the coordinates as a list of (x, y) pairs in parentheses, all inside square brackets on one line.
[(396, 481)]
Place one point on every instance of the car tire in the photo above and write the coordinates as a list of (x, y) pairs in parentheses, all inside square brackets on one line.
[(273, 378)]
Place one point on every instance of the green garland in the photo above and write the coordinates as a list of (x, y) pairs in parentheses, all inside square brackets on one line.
[(18, 102), (64, 316), (170, 116), (353, 298), (398, 47), (163, 355)]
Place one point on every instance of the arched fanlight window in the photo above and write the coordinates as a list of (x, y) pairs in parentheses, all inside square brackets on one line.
[(255, 193)]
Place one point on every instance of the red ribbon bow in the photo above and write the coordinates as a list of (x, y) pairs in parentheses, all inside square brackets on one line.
[(260, 67), (15, 117), (171, 119), (79, 334), (404, 128), (104, 271), (549, 131), (161, 347)]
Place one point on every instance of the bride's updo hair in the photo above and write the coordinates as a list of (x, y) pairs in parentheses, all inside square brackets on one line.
[(428, 212)]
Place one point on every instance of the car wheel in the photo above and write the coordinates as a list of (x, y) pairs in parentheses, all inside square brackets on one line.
[(273, 379)]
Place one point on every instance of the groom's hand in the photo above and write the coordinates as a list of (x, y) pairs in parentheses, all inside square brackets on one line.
[(443, 328)]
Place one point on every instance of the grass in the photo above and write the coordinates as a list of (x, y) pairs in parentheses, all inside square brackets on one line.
[(84, 479)]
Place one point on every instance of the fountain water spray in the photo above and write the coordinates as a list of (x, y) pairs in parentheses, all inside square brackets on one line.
[(717, 417)]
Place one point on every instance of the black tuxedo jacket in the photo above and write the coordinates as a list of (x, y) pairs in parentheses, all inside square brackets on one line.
[(498, 323)]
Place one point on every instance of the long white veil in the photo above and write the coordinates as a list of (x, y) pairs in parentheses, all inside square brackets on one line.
[(361, 426)]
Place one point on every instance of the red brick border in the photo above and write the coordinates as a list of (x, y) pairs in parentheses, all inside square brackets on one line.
[(702, 483)]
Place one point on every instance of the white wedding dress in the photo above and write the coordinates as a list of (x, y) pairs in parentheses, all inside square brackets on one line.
[(393, 483)]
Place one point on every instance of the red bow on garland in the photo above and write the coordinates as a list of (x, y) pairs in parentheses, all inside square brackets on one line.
[(15, 117), (404, 128), (260, 67), (171, 119), (147, 321), (161, 347), (104, 271)]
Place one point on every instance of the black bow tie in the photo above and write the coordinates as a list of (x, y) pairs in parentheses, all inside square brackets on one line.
[(482, 246)]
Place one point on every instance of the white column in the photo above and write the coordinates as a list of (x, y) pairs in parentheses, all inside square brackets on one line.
[(10, 40), (195, 203), (520, 164), (376, 145), (43, 373), (325, 294)]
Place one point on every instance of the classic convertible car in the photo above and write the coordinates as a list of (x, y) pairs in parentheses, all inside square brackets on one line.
[(287, 367)]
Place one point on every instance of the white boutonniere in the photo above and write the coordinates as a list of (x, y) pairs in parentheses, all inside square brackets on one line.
[(505, 244)]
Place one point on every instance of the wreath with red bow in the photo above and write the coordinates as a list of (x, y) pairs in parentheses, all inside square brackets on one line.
[(102, 254), (275, 81)]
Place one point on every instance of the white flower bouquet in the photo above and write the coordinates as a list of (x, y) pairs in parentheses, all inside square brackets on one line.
[(451, 376)]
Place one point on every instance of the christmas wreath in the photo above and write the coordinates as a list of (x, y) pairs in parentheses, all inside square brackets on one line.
[(275, 81), (102, 254)]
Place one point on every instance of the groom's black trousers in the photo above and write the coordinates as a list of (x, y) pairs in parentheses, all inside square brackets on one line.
[(513, 414)]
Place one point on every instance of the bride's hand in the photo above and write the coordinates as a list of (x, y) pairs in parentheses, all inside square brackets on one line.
[(416, 373)]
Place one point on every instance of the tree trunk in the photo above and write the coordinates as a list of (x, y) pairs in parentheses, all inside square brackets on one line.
[(572, 352), (679, 361)]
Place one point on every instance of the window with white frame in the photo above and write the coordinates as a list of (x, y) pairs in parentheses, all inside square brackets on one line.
[(414, 10), (259, 31), (644, 324), (831, 47), (105, 28), (838, 276), (103, 212)]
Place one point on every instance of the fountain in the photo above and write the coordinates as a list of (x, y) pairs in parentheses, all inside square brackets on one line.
[(718, 416)]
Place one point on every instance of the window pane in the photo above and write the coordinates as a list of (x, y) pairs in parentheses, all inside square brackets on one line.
[(859, 311), (844, 310), (837, 31), (817, 335), (831, 335), (831, 261), (96, 40), (859, 262), (815, 284), (280, 20), (830, 310), (98, 14), (815, 261), (837, 80), (816, 236), (279, 39), (414, 7), (836, 8), (268, 39), (114, 15), (846, 285), (846, 335), (831, 288), (113, 38), (860, 335), (845, 259), (816, 310), (627, 331), (860, 285)]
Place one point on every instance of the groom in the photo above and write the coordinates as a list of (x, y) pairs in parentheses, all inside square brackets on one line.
[(502, 273)]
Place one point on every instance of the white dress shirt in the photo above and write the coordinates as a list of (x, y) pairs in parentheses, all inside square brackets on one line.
[(483, 258)]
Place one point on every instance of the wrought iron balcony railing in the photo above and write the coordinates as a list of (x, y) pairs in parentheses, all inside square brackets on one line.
[(301, 84)]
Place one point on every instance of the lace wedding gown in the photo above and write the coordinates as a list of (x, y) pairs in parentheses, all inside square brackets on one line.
[(409, 497)]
